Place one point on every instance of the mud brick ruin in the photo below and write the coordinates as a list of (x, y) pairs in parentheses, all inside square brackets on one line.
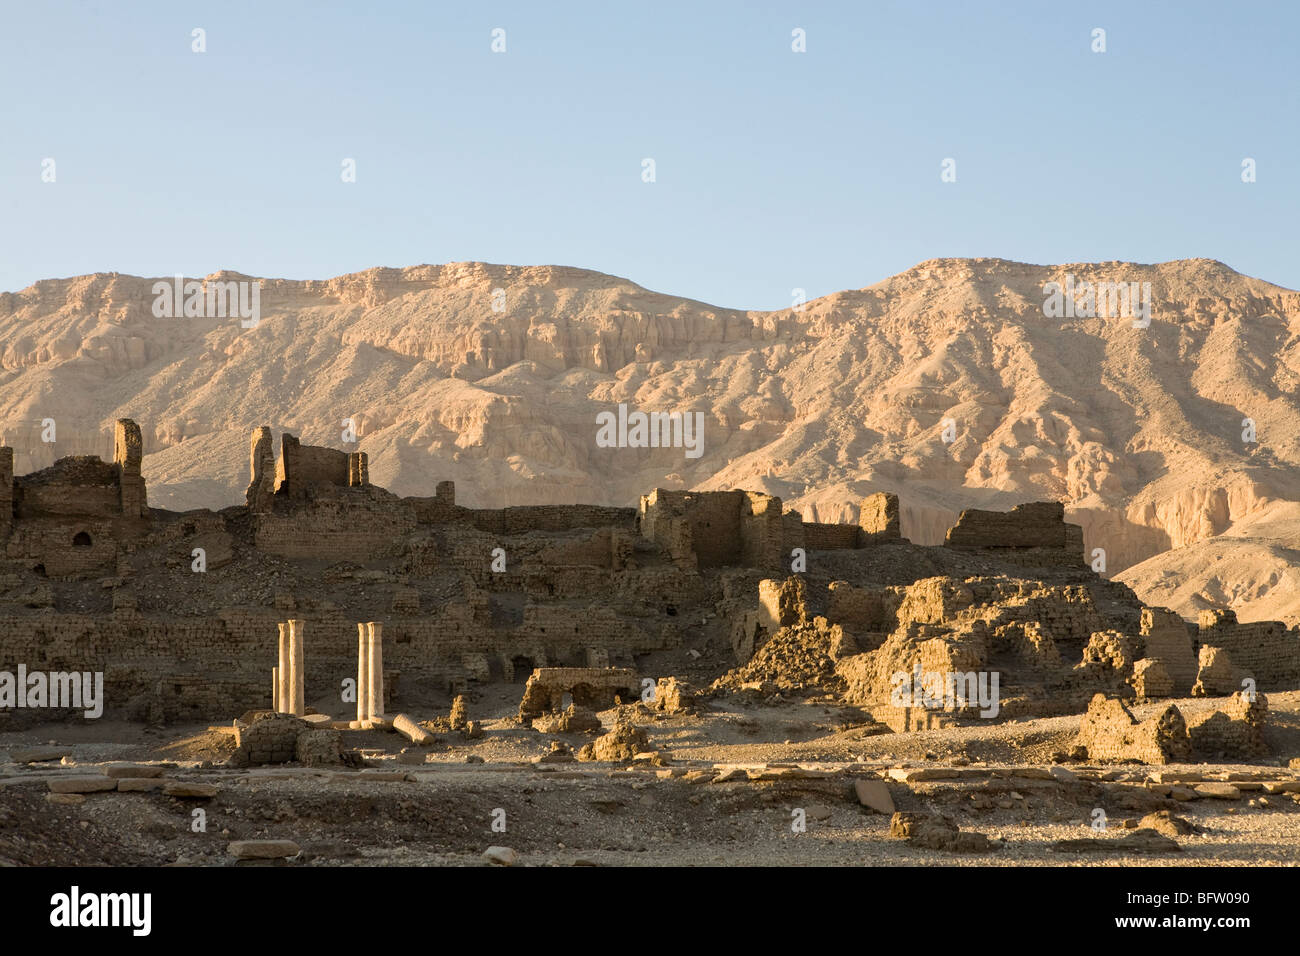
[(181, 611)]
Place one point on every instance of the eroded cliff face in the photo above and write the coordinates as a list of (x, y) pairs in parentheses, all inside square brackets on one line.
[(946, 384)]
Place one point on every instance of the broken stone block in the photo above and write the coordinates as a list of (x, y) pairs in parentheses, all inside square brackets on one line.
[(874, 795), (139, 784), (81, 784), (38, 754)]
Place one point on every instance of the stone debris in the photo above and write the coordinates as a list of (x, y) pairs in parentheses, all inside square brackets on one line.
[(932, 831), (574, 720), (622, 743), (1162, 821), (190, 791), (139, 784), (1143, 840), (262, 849), (66, 799)]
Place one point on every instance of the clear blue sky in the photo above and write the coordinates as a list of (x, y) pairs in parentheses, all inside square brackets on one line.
[(774, 169)]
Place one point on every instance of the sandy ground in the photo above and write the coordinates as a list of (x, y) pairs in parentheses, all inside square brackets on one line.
[(726, 795)]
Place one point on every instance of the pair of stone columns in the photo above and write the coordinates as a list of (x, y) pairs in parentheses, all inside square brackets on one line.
[(288, 679), (370, 670)]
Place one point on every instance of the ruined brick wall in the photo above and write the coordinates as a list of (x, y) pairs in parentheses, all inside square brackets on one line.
[(1034, 525), (761, 531), (77, 485), (356, 525), (829, 537), (549, 518), (6, 491), (301, 466), (1265, 649), (878, 517), (1165, 637)]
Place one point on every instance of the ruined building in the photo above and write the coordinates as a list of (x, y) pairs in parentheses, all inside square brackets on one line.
[(180, 610)]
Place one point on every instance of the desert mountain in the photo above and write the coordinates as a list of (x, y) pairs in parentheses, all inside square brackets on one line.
[(950, 384)]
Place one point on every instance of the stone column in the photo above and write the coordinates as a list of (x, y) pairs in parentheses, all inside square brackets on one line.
[(282, 698), (363, 672), (297, 700), (375, 692)]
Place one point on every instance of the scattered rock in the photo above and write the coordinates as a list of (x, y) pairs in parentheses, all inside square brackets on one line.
[(501, 855), (262, 849)]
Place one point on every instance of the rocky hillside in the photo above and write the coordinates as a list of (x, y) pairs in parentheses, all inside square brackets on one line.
[(947, 384)]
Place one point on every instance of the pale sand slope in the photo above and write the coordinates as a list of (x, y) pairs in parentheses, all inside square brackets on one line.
[(1138, 430)]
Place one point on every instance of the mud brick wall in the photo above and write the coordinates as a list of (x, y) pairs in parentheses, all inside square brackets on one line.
[(1166, 639), (301, 466), (819, 536), (862, 610), (1265, 649), (83, 485), (344, 529), (49, 542), (6, 490), (761, 531), (1036, 524), (551, 518)]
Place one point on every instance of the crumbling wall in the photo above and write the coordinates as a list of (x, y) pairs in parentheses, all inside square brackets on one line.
[(128, 450), (1266, 649), (1109, 731), (1165, 637), (879, 519), (1037, 526), (829, 537), (590, 687), (715, 528), (302, 467)]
